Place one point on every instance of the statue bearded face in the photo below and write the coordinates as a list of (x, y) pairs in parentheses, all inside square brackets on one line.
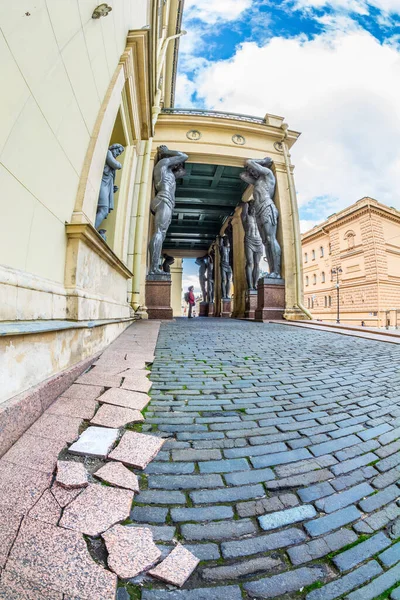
[(117, 150)]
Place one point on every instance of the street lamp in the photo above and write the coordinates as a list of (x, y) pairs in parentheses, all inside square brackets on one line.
[(336, 271)]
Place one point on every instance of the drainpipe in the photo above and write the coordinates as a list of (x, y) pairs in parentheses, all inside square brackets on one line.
[(293, 205), (144, 178)]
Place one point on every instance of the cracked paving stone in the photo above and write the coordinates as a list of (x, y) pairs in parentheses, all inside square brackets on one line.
[(119, 475), (177, 567), (137, 449), (71, 474), (125, 398), (116, 416), (46, 509), (131, 550), (96, 509)]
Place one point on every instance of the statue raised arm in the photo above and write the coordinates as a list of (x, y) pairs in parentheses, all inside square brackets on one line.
[(108, 188), (258, 172), (168, 169)]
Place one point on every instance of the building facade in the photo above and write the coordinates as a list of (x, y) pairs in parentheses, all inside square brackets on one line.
[(78, 83), (358, 249)]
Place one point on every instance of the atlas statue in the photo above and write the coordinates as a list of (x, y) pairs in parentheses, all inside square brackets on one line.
[(210, 279), (202, 262), (107, 187), (226, 269), (258, 173), (253, 246), (169, 168)]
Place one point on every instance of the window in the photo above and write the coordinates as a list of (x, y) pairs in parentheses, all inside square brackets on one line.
[(314, 279), (308, 303), (350, 237), (322, 251), (313, 254), (306, 279), (312, 302), (330, 248), (305, 257), (330, 301), (326, 301), (322, 277)]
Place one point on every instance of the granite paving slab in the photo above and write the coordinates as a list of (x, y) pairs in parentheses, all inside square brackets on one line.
[(117, 474), (83, 392), (116, 416), (64, 496), (56, 427), (131, 550), (137, 449), (9, 525), (37, 453), (96, 509), (95, 441), (61, 561), (137, 382), (125, 398), (46, 509), (73, 407), (21, 488), (177, 567), (71, 474), (14, 587)]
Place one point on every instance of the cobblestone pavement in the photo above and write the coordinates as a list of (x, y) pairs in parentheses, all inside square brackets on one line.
[(281, 472)]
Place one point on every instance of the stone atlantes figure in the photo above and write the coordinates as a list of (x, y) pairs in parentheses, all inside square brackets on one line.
[(253, 246), (169, 168), (210, 279), (107, 188), (202, 262), (226, 269), (258, 173), (168, 261)]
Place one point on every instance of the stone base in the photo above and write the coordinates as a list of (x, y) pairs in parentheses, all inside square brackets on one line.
[(295, 314), (203, 309), (226, 308), (211, 309), (158, 297), (250, 304), (270, 299)]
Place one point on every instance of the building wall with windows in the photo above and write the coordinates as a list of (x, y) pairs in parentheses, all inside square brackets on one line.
[(362, 242)]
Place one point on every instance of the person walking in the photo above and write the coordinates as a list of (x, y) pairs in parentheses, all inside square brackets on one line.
[(191, 301)]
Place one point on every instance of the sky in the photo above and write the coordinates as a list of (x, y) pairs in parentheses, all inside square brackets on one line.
[(330, 67)]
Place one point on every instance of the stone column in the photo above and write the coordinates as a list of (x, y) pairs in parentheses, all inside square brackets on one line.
[(240, 284), (176, 287)]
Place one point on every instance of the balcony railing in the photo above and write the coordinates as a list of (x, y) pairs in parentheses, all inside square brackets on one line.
[(213, 113)]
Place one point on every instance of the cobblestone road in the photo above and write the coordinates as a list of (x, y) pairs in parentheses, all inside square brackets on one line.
[(281, 472)]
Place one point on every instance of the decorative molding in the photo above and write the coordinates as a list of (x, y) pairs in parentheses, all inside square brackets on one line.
[(193, 134), (88, 234), (136, 62), (238, 139)]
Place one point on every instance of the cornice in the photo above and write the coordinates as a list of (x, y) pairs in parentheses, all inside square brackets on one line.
[(136, 61), (90, 236)]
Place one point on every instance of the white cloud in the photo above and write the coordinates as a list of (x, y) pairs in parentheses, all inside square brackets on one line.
[(306, 225), (189, 280), (356, 6), (341, 90), (212, 12)]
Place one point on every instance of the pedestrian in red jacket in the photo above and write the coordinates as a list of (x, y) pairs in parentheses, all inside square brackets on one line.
[(192, 301)]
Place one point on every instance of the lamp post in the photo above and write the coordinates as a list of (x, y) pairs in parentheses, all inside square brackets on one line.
[(336, 271)]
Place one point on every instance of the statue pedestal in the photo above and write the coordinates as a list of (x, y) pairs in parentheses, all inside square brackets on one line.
[(203, 309), (250, 304), (211, 309), (158, 296), (270, 299), (226, 308)]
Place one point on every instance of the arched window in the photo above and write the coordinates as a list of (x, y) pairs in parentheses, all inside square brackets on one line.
[(308, 303), (322, 251), (305, 257), (330, 248), (323, 277), (314, 279), (330, 301), (306, 279), (350, 237), (326, 301), (313, 254), (312, 302)]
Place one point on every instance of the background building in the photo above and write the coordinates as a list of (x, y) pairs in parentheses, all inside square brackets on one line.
[(361, 244)]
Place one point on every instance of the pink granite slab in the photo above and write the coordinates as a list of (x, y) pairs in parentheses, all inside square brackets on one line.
[(137, 382), (131, 550), (63, 496), (46, 509), (14, 587), (83, 392), (118, 475), (9, 525), (73, 407), (119, 368), (35, 452), (116, 416), (60, 561), (96, 377), (71, 474), (125, 398), (177, 567), (21, 487), (56, 427), (96, 509), (136, 449)]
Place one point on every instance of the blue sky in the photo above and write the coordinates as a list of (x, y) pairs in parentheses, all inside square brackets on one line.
[(330, 67)]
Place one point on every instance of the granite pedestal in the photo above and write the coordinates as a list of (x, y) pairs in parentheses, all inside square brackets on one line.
[(226, 311), (251, 300), (158, 296), (270, 299), (211, 309), (203, 309)]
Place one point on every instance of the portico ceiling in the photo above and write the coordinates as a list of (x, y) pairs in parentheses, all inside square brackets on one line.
[(204, 198)]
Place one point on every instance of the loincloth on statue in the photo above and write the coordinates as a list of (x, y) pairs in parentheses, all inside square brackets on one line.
[(161, 198), (266, 213), (226, 267), (253, 243)]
